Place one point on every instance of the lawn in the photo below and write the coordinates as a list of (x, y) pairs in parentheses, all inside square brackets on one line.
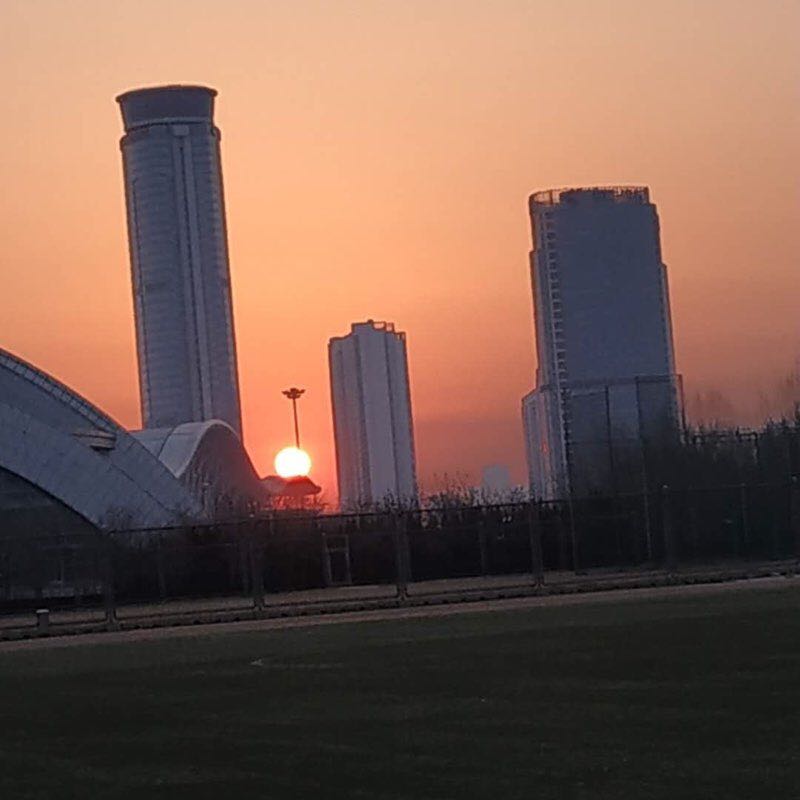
[(693, 697)]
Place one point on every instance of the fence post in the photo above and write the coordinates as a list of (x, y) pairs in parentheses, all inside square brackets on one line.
[(669, 533), (401, 555), (561, 530), (6, 567), (484, 553), (535, 538), (648, 533), (256, 569), (162, 580), (776, 523), (109, 600), (616, 517), (743, 510), (573, 535), (327, 569), (241, 536), (794, 513)]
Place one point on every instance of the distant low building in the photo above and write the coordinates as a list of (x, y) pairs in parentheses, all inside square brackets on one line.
[(495, 482), (372, 421)]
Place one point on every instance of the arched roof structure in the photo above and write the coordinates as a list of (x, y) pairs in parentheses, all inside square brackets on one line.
[(209, 459), (60, 443)]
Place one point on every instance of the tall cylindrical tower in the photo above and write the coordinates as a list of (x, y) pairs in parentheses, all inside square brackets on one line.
[(179, 257)]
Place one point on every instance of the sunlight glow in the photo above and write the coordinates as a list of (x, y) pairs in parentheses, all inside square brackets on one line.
[(292, 462)]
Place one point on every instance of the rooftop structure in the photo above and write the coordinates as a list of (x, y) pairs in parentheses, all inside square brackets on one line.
[(613, 194)]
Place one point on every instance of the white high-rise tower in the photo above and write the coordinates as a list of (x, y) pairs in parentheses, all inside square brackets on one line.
[(372, 420), (179, 257), (606, 379)]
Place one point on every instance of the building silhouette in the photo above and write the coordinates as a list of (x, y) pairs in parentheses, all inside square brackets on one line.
[(605, 381), (373, 429), (495, 483), (65, 461), (179, 257)]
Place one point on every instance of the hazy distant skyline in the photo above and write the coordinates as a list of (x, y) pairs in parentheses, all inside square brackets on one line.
[(377, 159)]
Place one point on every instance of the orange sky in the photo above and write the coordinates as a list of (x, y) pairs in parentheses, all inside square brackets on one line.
[(377, 159)]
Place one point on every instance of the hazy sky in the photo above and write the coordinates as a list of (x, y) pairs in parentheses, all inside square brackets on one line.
[(377, 159)]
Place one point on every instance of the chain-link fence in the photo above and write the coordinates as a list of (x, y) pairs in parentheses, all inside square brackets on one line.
[(295, 562)]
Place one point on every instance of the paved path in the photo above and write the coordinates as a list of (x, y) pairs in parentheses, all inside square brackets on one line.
[(342, 595), (416, 612)]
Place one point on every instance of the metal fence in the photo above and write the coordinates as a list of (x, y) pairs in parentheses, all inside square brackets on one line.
[(288, 561)]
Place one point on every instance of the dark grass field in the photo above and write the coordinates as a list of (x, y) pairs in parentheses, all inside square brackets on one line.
[(674, 698)]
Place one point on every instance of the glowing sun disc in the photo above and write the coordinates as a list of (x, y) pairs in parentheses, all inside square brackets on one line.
[(292, 462)]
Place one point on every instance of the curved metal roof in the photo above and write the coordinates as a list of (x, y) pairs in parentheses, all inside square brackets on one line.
[(58, 441), (209, 457)]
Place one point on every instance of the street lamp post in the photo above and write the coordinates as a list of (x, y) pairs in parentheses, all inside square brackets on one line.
[(294, 394)]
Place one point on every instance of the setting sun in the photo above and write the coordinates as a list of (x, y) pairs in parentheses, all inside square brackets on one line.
[(292, 462)]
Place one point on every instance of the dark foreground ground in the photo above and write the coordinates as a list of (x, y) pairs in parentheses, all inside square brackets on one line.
[(654, 698)]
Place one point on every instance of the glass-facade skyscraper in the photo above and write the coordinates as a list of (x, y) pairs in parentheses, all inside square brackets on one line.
[(605, 381)]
